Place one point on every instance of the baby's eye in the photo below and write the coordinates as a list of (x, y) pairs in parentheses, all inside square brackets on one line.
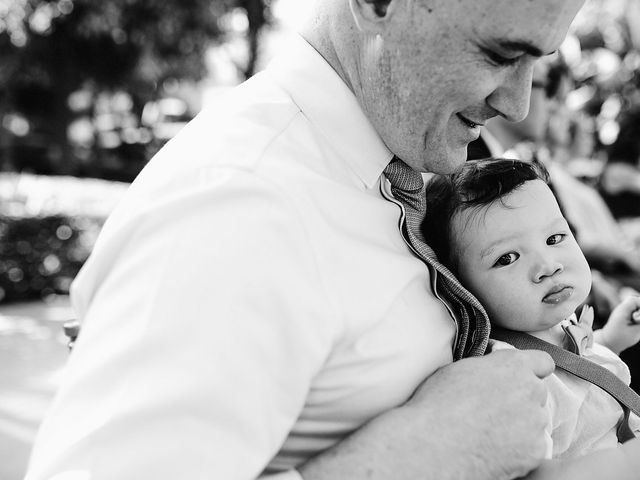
[(555, 239), (506, 259)]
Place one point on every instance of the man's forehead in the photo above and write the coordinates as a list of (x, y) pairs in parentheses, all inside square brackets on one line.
[(536, 27), (519, 12)]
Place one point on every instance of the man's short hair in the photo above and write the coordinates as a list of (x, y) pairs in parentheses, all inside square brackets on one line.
[(477, 184)]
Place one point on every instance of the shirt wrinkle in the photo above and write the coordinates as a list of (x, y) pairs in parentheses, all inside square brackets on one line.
[(359, 145), (262, 152), (311, 242)]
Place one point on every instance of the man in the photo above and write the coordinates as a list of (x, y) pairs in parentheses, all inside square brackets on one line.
[(251, 307)]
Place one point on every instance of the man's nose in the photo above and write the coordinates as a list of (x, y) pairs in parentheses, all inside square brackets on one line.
[(511, 98), (544, 267)]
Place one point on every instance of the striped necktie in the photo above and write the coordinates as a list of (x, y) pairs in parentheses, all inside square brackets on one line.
[(407, 187)]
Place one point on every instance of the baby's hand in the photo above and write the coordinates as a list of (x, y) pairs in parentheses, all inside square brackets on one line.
[(622, 330)]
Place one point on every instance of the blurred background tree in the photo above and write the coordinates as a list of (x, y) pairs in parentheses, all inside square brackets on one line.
[(604, 55), (83, 82)]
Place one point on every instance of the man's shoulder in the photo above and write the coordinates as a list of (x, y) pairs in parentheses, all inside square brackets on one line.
[(242, 120), (255, 127)]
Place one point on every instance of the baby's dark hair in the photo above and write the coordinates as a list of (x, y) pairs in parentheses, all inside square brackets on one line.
[(478, 183)]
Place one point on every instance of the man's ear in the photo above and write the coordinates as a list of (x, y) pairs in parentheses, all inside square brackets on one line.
[(370, 14), (380, 7)]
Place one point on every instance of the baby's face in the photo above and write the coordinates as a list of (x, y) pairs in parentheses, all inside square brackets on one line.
[(520, 259)]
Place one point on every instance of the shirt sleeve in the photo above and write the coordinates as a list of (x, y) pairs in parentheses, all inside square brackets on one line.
[(205, 320)]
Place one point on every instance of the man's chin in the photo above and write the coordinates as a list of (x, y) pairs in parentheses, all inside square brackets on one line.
[(447, 162)]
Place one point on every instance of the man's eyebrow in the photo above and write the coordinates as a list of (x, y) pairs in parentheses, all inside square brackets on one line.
[(523, 46)]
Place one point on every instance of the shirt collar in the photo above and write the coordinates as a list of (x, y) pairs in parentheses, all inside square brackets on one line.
[(332, 107)]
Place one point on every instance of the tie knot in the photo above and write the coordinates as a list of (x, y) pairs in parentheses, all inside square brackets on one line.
[(403, 177)]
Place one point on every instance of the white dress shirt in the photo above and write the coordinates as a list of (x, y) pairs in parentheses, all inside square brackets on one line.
[(251, 301)]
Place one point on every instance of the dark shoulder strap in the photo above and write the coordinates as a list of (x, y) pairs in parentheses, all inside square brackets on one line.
[(580, 367)]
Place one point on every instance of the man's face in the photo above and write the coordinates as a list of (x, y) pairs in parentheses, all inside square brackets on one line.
[(440, 69), (534, 126), (520, 259)]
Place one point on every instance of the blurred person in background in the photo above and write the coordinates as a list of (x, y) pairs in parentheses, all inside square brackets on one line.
[(251, 308), (620, 179)]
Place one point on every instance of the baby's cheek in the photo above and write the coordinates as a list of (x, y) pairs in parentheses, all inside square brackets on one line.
[(503, 312), (584, 281)]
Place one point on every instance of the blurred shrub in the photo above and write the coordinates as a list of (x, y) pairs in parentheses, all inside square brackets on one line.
[(39, 256)]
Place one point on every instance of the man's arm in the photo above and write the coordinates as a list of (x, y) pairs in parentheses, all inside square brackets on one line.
[(481, 418), (193, 361)]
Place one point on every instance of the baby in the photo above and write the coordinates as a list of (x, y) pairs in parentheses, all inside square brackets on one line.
[(497, 226)]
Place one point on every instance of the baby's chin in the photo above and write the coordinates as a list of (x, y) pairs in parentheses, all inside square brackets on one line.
[(538, 322), (559, 315), (573, 307)]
